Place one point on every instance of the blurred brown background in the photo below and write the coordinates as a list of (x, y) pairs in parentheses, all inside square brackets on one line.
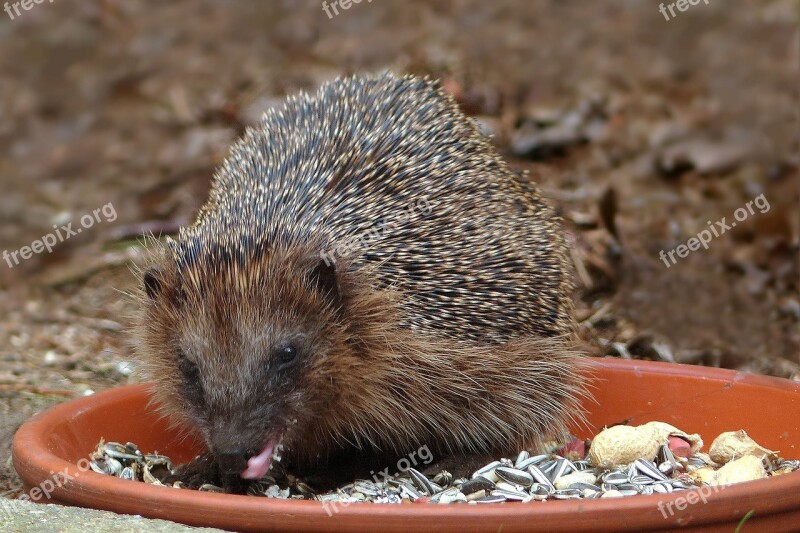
[(639, 129)]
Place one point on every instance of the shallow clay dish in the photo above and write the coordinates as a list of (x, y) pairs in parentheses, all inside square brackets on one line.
[(695, 399)]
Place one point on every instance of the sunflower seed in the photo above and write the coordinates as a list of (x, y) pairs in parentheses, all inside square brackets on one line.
[(513, 495), (523, 456), (132, 449), (567, 494), (614, 478), (365, 487), (106, 465), (505, 485), (459, 498), (304, 489), (450, 495), (422, 482), (666, 468), (539, 476), (512, 475), (492, 498), (118, 451), (437, 498), (561, 468), (258, 488), (476, 495), (542, 489), (662, 487), (488, 471), (584, 487), (443, 478), (407, 490), (535, 460), (665, 455), (148, 477), (476, 484)]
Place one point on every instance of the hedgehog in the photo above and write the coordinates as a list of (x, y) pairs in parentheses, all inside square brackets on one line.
[(367, 274)]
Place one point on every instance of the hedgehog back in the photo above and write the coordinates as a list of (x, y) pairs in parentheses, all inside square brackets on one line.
[(482, 260)]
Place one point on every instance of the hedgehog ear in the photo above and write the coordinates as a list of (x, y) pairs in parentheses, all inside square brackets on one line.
[(324, 277), (152, 283)]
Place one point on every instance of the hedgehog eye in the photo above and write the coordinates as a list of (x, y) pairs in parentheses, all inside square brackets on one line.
[(285, 357)]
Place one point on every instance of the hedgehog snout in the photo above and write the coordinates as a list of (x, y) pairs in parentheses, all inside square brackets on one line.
[(233, 460)]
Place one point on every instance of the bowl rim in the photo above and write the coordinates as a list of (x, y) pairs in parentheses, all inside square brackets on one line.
[(33, 460)]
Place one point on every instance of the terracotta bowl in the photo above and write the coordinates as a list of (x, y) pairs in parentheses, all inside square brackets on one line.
[(698, 400)]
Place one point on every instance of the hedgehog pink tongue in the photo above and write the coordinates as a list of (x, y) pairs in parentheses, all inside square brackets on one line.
[(258, 465)]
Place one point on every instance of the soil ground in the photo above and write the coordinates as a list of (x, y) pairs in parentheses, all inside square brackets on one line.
[(641, 130)]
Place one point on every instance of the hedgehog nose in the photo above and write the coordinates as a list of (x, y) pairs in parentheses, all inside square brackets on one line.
[(233, 461)]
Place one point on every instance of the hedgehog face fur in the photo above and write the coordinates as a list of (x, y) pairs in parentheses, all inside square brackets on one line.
[(450, 330), (248, 359)]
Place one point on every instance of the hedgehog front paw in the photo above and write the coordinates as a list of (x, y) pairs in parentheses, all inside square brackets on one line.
[(204, 470), (199, 471)]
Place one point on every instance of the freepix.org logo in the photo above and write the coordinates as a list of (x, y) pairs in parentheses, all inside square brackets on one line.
[(681, 5), (12, 8), (60, 234)]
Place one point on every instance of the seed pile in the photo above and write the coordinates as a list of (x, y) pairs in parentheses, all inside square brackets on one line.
[(127, 462), (528, 478), (524, 479)]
